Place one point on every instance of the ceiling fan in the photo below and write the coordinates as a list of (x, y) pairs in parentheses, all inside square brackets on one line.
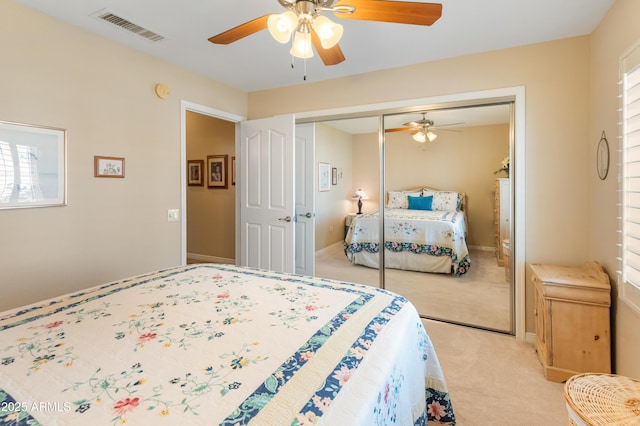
[(311, 28), (422, 130)]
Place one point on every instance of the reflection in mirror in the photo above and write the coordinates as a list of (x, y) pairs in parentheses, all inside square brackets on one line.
[(447, 213), (445, 249)]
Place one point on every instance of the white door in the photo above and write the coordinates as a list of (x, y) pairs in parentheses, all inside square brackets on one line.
[(305, 206), (266, 193)]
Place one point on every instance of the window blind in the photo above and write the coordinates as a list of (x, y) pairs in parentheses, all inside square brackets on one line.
[(630, 132)]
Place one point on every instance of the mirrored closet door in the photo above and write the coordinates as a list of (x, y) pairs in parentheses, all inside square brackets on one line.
[(444, 211)]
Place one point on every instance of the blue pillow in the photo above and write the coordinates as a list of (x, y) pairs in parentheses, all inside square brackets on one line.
[(420, 203)]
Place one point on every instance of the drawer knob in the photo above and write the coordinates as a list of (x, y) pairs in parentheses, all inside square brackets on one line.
[(596, 337)]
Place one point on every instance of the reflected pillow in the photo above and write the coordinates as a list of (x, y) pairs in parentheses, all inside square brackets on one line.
[(420, 203), (398, 199), (445, 200)]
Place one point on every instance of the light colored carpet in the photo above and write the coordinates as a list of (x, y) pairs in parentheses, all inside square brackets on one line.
[(481, 297), (494, 379)]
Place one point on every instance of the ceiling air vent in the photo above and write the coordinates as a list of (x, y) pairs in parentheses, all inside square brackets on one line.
[(109, 17)]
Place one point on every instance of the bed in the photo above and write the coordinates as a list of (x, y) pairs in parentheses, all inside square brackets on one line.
[(220, 344), (425, 230)]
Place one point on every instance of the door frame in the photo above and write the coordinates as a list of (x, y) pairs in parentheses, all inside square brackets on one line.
[(212, 112), (518, 148)]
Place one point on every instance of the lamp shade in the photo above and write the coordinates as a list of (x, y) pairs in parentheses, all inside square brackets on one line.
[(328, 32), (359, 195), (282, 25), (302, 47), (420, 136)]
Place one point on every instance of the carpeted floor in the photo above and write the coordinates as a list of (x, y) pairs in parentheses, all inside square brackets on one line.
[(481, 297), (494, 379)]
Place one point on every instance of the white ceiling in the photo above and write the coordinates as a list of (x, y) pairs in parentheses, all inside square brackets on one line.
[(258, 62)]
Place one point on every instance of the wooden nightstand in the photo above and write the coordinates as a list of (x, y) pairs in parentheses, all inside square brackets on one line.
[(572, 319)]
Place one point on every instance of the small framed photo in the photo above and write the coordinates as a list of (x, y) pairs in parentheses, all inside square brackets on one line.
[(217, 171), (334, 176), (108, 167), (324, 177), (194, 172), (233, 170)]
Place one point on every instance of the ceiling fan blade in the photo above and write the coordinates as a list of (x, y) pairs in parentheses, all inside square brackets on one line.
[(241, 31), (397, 129), (331, 56), (450, 124), (401, 12), (414, 123)]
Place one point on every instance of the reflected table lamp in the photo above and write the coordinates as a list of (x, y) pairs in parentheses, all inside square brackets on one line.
[(359, 195)]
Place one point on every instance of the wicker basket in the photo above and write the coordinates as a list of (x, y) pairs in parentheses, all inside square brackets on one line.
[(602, 399)]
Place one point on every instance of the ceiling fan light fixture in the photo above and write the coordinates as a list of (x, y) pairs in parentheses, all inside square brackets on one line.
[(419, 136), (328, 32), (423, 135), (282, 25), (302, 47)]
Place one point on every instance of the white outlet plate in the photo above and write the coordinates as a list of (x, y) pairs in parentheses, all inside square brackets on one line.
[(173, 215)]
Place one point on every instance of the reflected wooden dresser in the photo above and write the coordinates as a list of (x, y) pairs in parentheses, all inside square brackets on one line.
[(501, 216), (572, 319)]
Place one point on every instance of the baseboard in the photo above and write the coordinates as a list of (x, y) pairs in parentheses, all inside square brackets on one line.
[(210, 259), (482, 248), (530, 338), (322, 250)]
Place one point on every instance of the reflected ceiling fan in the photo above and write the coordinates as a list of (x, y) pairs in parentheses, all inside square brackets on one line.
[(304, 19), (422, 130)]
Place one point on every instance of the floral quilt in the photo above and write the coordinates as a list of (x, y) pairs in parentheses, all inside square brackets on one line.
[(219, 344), (424, 232)]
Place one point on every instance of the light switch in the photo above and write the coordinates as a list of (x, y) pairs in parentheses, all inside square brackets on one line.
[(173, 215)]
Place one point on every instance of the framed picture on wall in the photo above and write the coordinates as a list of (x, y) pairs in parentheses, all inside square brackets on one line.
[(324, 177), (33, 166), (334, 176), (194, 172), (109, 167), (217, 171)]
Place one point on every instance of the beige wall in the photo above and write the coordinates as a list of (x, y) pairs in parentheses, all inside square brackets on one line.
[(618, 32), (58, 75), (459, 161), (334, 147), (211, 217)]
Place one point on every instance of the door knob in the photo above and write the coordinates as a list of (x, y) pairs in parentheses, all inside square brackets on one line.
[(308, 215), (285, 219)]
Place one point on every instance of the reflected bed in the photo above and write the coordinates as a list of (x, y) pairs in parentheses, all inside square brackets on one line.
[(425, 230)]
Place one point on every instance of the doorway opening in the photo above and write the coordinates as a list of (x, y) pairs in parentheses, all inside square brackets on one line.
[(208, 208)]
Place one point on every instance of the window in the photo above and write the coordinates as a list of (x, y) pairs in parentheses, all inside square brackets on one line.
[(630, 132)]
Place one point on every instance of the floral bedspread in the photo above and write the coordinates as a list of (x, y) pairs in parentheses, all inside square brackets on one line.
[(428, 232), (219, 344)]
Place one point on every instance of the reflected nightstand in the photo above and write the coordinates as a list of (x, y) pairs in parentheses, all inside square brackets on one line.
[(347, 222)]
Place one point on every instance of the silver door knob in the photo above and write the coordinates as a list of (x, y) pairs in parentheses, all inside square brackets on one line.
[(285, 219), (308, 215)]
